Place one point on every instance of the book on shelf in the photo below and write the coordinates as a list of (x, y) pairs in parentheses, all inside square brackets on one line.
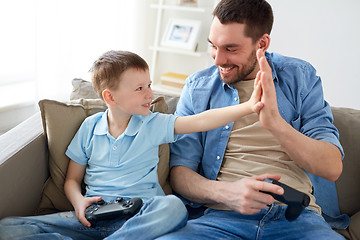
[(173, 79)]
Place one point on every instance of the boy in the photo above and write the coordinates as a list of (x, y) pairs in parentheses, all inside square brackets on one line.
[(116, 153)]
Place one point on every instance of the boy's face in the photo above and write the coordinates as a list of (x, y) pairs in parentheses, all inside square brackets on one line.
[(133, 94)]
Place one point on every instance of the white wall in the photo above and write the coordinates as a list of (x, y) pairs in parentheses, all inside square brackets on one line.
[(325, 33)]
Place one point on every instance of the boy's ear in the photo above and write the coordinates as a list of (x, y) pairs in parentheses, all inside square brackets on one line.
[(108, 97)]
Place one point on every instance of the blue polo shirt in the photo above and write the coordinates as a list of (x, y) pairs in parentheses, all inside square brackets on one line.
[(300, 102), (126, 166)]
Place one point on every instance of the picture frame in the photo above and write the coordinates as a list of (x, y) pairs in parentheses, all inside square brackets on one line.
[(182, 34)]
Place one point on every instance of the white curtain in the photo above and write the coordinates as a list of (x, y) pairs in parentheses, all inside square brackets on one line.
[(72, 34), (47, 43)]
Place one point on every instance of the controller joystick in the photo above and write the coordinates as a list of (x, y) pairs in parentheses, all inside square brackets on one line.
[(297, 201)]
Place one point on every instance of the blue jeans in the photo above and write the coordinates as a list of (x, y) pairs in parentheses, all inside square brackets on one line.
[(157, 216), (270, 224)]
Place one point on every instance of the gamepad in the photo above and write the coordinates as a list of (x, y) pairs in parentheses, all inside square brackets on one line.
[(121, 207), (295, 199)]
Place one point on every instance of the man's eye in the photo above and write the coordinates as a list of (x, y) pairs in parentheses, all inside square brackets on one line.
[(230, 50)]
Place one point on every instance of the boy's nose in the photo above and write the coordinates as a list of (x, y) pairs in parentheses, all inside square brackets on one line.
[(149, 94)]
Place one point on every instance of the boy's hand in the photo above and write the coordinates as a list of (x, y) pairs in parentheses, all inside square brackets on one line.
[(255, 100), (80, 209)]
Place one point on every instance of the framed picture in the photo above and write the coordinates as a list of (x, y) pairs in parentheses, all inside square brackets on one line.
[(181, 33), (188, 2)]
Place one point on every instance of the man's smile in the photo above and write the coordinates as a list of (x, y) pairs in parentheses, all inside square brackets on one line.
[(226, 70)]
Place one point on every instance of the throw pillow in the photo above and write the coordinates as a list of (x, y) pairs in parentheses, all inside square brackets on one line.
[(347, 121), (61, 121), (82, 89)]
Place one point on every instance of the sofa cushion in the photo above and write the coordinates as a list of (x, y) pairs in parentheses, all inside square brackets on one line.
[(82, 89), (347, 122), (60, 122)]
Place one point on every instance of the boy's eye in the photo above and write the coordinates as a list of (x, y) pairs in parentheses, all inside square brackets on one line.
[(149, 85), (139, 89)]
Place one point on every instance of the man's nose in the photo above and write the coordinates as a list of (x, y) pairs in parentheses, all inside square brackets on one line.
[(219, 57)]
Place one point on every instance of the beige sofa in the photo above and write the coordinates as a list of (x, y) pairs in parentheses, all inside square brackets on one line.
[(33, 164)]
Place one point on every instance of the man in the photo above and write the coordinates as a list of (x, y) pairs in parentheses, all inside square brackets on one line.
[(224, 168)]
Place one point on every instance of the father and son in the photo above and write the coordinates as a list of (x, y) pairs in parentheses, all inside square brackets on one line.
[(252, 115)]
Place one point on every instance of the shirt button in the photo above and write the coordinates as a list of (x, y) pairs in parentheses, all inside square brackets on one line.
[(114, 148), (218, 157), (226, 127), (235, 98)]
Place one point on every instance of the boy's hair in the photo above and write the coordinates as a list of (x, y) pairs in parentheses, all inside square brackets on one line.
[(107, 70), (257, 15)]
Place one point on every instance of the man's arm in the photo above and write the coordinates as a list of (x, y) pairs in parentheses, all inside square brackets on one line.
[(242, 196), (317, 157)]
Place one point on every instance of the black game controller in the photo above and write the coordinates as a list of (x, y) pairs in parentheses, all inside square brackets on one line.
[(295, 199), (120, 208)]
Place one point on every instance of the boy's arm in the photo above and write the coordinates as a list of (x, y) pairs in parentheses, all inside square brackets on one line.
[(72, 187), (218, 117)]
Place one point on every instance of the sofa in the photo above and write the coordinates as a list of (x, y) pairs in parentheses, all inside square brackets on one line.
[(33, 164)]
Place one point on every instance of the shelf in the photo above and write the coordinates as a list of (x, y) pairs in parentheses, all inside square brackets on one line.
[(160, 53), (165, 89), (177, 51), (178, 8)]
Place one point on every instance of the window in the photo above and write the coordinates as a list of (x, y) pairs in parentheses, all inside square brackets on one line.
[(47, 43), (17, 61)]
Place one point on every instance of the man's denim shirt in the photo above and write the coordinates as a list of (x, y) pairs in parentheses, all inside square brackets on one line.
[(300, 101)]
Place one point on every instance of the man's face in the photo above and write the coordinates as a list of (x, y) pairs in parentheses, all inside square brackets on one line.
[(233, 52)]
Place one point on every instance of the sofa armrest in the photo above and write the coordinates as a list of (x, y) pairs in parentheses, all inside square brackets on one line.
[(23, 167)]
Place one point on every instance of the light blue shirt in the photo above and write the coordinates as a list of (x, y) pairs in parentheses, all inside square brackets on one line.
[(300, 102), (126, 166)]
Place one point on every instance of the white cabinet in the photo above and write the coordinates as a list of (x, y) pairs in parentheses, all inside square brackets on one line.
[(177, 60)]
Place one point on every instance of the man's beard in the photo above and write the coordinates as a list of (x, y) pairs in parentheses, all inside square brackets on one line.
[(244, 72)]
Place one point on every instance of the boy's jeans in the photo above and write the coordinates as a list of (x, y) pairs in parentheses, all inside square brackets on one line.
[(157, 216), (269, 224)]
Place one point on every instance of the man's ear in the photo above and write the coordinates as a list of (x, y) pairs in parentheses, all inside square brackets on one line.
[(108, 97), (264, 42)]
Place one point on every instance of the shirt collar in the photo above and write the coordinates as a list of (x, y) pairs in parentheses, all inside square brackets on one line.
[(269, 59), (134, 125), (102, 127)]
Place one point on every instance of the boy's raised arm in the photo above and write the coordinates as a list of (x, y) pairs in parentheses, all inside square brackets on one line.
[(218, 117)]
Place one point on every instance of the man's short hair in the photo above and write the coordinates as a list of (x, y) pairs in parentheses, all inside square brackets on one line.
[(257, 15)]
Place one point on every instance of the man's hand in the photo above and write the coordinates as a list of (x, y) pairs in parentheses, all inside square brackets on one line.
[(81, 206), (244, 195), (269, 115)]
